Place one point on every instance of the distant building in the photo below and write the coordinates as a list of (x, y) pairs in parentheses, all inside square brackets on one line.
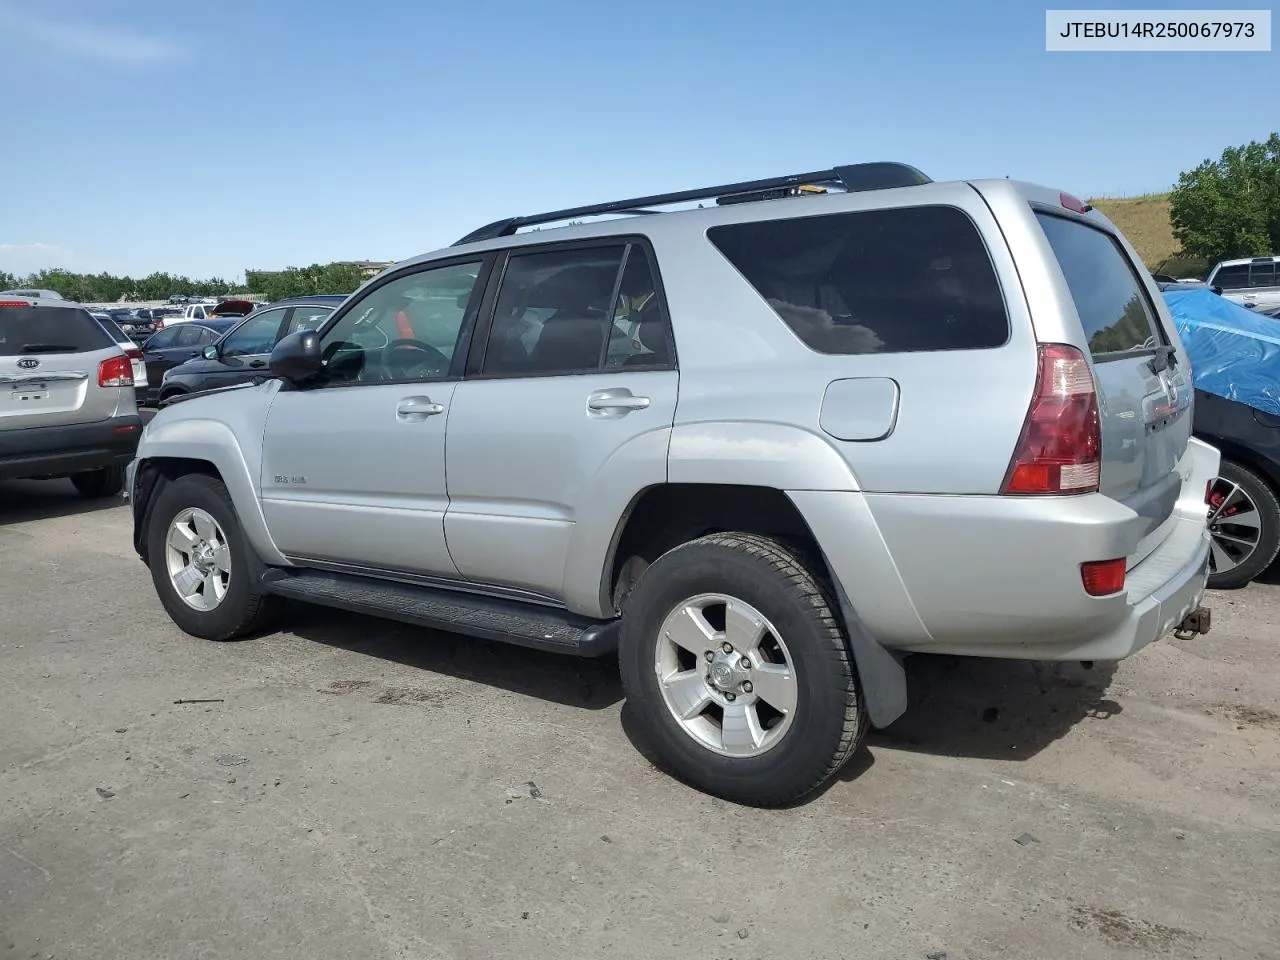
[(369, 268)]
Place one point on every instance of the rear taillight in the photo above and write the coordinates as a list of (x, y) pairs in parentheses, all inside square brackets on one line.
[(14, 303), (1060, 450), (116, 372), (1102, 577)]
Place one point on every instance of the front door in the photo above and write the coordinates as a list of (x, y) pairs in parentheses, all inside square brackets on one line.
[(569, 407), (353, 467)]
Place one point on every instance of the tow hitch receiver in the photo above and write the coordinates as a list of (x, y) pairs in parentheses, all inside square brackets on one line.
[(1195, 622)]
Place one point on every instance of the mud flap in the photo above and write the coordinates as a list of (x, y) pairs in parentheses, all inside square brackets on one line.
[(882, 680)]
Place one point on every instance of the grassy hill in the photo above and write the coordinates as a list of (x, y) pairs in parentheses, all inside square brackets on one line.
[(1145, 221)]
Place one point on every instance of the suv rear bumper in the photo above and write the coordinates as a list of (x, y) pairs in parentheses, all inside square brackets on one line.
[(42, 452), (1000, 576)]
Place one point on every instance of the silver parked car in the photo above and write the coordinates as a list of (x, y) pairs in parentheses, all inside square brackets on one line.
[(67, 404), (764, 448)]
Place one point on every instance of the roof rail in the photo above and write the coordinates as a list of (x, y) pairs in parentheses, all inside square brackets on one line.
[(850, 177)]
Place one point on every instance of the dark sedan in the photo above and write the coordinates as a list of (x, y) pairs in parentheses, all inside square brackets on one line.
[(178, 344), (242, 353)]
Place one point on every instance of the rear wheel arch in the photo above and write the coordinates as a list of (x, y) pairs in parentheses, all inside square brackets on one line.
[(665, 516)]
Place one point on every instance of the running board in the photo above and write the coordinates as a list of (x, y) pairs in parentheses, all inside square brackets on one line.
[(489, 618)]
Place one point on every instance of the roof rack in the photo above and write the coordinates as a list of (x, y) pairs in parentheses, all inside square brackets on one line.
[(849, 177)]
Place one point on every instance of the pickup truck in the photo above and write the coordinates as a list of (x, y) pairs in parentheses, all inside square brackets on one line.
[(208, 311), (1252, 282)]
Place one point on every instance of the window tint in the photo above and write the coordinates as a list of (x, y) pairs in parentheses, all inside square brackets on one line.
[(553, 312), (1113, 309), (205, 335), (1262, 275), (165, 338), (307, 318), (256, 335), (189, 335), (34, 330), (407, 329), (639, 334), (879, 281), (1232, 278)]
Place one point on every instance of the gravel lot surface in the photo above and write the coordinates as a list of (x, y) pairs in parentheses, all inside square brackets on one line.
[(366, 790)]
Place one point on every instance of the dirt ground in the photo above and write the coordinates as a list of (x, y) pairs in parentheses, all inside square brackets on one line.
[(365, 790)]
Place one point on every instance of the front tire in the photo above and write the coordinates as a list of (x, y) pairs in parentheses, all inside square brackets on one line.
[(735, 664), (201, 562), (96, 484), (1244, 526)]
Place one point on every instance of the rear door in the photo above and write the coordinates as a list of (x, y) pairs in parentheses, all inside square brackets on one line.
[(1144, 392), (575, 384), (49, 359)]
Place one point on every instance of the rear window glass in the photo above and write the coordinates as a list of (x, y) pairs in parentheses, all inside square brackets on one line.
[(33, 330), (1110, 301), (1262, 275), (876, 281)]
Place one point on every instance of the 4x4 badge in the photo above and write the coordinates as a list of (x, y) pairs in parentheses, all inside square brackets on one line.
[(28, 363)]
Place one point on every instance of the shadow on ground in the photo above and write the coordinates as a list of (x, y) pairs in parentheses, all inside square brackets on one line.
[(574, 682), (960, 707), (23, 500), (995, 709)]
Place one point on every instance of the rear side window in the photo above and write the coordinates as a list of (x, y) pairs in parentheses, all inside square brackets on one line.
[(1113, 308), (1262, 275), (32, 330), (877, 281)]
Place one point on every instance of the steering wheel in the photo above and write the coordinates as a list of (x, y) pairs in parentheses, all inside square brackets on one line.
[(406, 358)]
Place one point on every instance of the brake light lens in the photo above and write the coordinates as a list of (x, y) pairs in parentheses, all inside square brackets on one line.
[(1074, 204), (116, 372), (1102, 577), (1060, 449), (14, 303)]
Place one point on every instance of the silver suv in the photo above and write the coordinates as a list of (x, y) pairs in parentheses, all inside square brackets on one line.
[(67, 404), (764, 448)]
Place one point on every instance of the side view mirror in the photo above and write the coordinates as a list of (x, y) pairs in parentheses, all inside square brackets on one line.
[(210, 352), (1217, 290), (297, 358)]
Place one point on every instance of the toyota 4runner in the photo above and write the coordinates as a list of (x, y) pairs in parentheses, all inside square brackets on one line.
[(763, 448)]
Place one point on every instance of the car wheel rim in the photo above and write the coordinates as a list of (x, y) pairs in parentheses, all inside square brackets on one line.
[(198, 559), (1235, 526), (726, 675)]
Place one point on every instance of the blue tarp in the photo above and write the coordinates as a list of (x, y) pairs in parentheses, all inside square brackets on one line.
[(1235, 353)]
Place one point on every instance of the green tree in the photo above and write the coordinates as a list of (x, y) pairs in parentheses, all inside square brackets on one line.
[(304, 281), (1230, 207)]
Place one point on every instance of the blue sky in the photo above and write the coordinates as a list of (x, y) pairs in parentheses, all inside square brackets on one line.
[(204, 137)]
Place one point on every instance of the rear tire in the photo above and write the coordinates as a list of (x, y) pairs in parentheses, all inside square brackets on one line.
[(194, 539), (1249, 508), (96, 484), (770, 720)]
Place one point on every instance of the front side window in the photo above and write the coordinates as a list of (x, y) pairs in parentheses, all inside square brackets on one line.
[(553, 312), (407, 329), (876, 281), (1232, 278), (308, 318), (1110, 301), (256, 335)]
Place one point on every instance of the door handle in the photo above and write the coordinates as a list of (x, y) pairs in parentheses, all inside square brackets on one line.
[(257, 363), (417, 409), (617, 402)]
